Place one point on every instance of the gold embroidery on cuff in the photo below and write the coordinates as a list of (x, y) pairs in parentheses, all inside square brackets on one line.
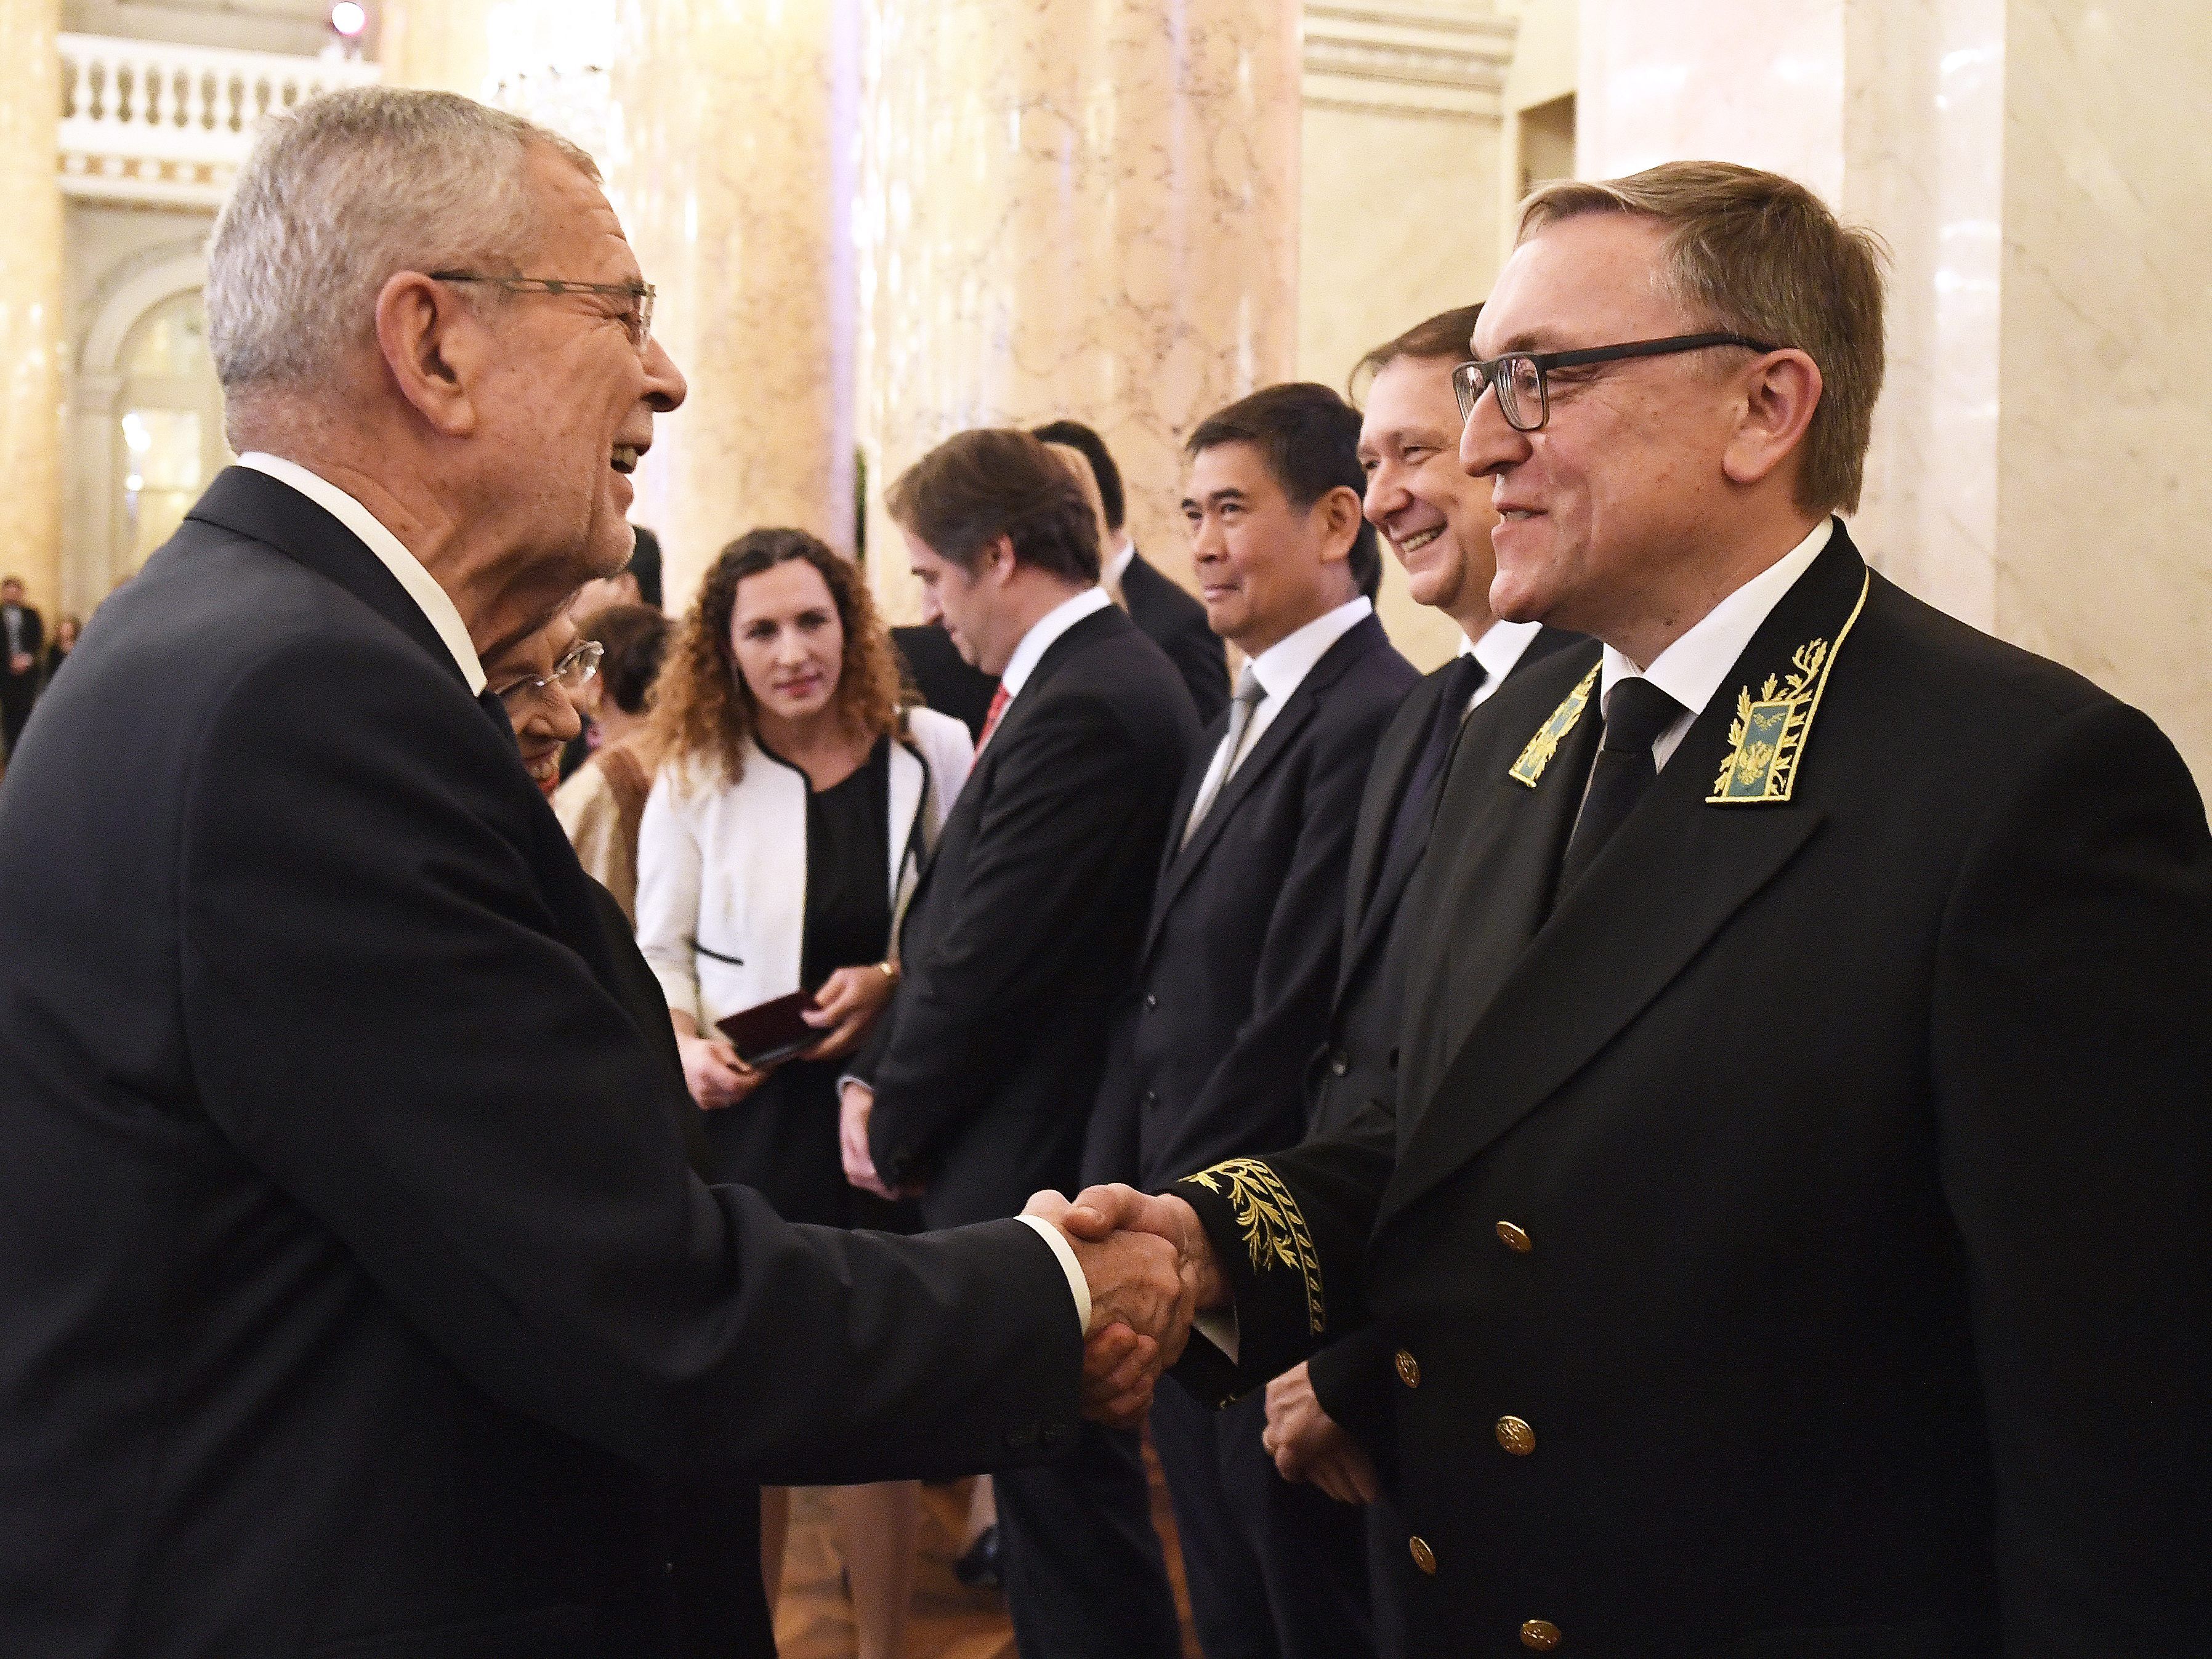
[(1273, 1228)]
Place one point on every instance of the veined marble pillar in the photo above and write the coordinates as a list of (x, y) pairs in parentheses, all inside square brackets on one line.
[(730, 155), (1085, 208), (2042, 464), (31, 301)]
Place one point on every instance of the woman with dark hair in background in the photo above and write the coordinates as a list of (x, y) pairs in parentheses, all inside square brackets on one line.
[(797, 799), (66, 630), (602, 804)]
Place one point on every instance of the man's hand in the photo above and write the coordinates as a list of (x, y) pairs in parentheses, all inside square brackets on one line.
[(1309, 1444), (853, 1109), (1099, 1212), (844, 1008), (1140, 1313), (714, 1073), (21, 663)]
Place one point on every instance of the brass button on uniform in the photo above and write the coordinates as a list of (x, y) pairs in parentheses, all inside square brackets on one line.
[(1540, 1634), (1513, 1238), (1423, 1557), (1409, 1369), (1339, 1062), (1516, 1436)]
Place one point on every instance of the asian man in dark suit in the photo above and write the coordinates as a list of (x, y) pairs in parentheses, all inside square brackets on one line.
[(1240, 957), (1169, 616), (976, 1086), (358, 1285), (1327, 1424), (1795, 1235)]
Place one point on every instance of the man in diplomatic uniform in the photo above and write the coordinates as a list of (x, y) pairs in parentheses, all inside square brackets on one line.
[(1325, 1426), (1793, 1237), (1240, 957)]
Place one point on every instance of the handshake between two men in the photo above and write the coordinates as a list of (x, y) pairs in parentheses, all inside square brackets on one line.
[(1150, 1270)]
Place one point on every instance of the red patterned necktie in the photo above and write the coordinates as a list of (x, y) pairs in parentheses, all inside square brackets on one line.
[(999, 699)]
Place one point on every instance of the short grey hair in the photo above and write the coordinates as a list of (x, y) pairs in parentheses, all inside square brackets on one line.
[(341, 192)]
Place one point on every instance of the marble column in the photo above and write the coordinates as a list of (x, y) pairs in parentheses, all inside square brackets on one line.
[(446, 44), (730, 155), (1085, 208), (2042, 464), (30, 300)]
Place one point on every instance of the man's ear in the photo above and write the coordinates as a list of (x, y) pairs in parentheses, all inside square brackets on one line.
[(1780, 398), (997, 562), (1341, 515), (434, 348)]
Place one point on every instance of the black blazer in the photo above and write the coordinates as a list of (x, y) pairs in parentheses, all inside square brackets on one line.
[(1176, 622), (357, 1280), (1355, 1068), (1799, 1243), (947, 681), (1240, 955), (32, 628), (1023, 930)]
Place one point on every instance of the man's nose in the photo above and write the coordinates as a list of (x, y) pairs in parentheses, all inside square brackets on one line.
[(665, 385), (930, 613), (1487, 446), (1386, 493)]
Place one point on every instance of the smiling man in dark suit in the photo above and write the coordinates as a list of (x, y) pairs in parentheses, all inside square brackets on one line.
[(358, 1290), (1326, 1422), (1795, 1238), (1169, 617), (975, 1087), (1240, 957)]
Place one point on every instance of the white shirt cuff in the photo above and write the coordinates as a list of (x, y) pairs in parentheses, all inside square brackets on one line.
[(1218, 1326), (1079, 1286)]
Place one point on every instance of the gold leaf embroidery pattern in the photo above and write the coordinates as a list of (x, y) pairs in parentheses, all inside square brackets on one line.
[(1274, 1227), (1767, 739), (1551, 733)]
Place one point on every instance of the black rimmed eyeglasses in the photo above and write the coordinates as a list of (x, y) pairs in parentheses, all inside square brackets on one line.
[(638, 319), (572, 674), (1522, 378)]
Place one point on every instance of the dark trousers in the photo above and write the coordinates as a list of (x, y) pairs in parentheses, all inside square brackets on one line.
[(1085, 1576), (1388, 1565), (1277, 1570)]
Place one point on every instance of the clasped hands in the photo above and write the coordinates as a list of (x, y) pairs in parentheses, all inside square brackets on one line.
[(1150, 1270)]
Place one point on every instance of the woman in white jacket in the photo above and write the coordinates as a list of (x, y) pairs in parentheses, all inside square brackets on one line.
[(797, 799)]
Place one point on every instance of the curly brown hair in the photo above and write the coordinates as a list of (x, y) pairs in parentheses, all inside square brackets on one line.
[(702, 708)]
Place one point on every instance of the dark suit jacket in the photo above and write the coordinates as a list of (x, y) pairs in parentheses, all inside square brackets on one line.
[(948, 681), (1022, 931), (1240, 954), (1355, 1068), (355, 1277), (1860, 1299), (1176, 622), (33, 629)]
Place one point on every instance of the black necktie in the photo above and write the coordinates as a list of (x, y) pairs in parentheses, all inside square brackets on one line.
[(1635, 714), (1417, 806)]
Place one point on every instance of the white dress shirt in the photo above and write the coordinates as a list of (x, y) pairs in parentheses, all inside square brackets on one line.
[(1500, 651), (1693, 669), (1280, 670), (1043, 632), (434, 601), (1109, 578)]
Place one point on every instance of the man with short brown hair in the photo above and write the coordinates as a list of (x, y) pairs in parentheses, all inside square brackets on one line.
[(1794, 1236)]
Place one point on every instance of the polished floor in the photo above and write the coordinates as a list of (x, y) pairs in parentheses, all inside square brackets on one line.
[(950, 1621)]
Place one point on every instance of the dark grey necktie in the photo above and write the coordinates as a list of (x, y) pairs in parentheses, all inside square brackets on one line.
[(1636, 713), (1250, 693)]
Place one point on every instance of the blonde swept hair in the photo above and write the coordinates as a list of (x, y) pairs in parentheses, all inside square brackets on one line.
[(1758, 254), (703, 711)]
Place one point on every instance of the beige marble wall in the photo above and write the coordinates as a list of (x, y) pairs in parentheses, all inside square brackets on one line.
[(2017, 157), (731, 156), (30, 300), (1073, 207)]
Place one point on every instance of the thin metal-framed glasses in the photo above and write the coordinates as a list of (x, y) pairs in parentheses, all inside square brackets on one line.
[(638, 319), (1522, 379), (572, 674)]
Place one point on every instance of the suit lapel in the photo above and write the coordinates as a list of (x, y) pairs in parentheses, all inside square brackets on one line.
[(1368, 918), (1672, 877)]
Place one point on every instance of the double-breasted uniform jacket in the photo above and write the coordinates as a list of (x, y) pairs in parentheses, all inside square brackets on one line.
[(1797, 1241), (1022, 932), (1355, 1068), (722, 896), (357, 1280), (1240, 953)]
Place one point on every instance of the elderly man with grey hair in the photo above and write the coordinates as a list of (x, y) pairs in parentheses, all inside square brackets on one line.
[(358, 1290)]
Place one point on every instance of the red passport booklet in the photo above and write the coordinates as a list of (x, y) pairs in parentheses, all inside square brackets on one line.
[(771, 1032)]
